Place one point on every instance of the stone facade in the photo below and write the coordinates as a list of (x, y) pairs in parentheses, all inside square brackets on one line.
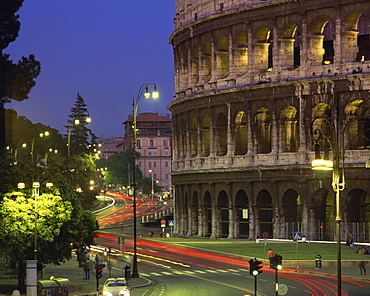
[(253, 79)]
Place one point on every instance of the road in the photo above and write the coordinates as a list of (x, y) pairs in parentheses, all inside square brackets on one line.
[(183, 272)]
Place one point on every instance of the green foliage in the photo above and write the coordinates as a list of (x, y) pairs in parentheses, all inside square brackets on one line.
[(19, 215)]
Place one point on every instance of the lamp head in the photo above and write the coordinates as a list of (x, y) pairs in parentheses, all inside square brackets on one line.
[(155, 94), (147, 93)]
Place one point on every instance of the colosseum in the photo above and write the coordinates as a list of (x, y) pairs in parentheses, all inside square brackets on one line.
[(261, 89)]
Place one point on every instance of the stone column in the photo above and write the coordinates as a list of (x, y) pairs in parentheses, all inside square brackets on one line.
[(286, 54), (349, 42), (261, 56), (317, 50)]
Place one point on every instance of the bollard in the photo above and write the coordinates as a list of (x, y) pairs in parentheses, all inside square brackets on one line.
[(318, 261)]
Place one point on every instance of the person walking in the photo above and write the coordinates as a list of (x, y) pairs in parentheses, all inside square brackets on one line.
[(87, 268), (362, 265)]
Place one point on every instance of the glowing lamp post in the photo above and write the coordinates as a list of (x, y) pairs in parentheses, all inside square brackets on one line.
[(143, 90), (334, 140)]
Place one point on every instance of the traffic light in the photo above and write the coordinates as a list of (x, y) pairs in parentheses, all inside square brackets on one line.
[(99, 270), (273, 262), (279, 262), (255, 267)]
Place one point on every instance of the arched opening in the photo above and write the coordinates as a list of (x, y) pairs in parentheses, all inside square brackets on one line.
[(206, 62), (195, 64), (292, 212), (357, 129), (222, 57), (264, 212), (263, 50), (240, 133), (357, 215), (289, 56), (321, 116), (223, 213), (241, 54), (289, 130), (321, 43), (185, 68), (323, 214), (194, 213), (221, 135), (207, 204), (206, 136), (242, 207), (363, 39), (263, 122), (194, 137)]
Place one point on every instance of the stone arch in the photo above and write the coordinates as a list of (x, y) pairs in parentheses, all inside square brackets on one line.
[(289, 47), (194, 137), (206, 61), (194, 223), (221, 135), (240, 133), (222, 209), (242, 208), (322, 42), (205, 132), (263, 50), (264, 212), (222, 57), (322, 214), (241, 53), (292, 211), (289, 138), (263, 139), (207, 204), (356, 38), (195, 65), (357, 130)]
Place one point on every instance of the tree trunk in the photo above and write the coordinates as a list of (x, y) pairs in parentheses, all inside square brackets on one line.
[(21, 275)]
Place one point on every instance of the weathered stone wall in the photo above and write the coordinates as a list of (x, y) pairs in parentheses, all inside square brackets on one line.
[(253, 80)]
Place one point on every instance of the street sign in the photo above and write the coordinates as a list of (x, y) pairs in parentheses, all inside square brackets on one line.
[(297, 235), (163, 222), (171, 223)]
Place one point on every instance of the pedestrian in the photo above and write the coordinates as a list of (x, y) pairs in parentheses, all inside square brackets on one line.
[(362, 265), (258, 239), (270, 253), (87, 268), (304, 239)]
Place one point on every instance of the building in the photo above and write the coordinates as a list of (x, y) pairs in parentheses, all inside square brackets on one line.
[(154, 143), (109, 147), (254, 82)]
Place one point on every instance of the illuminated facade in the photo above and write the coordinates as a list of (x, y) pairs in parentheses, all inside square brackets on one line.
[(250, 77)]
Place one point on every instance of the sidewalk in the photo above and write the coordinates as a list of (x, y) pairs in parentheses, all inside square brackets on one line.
[(74, 274)]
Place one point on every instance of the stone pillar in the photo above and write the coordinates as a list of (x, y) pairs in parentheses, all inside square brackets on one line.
[(349, 42), (188, 136), (251, 209), (338, 39), (250, 132), (316, 49), (211, 135), (261, 56), (286, 54), (232, 60), (189, 82), (230, 134), (213, 59), (274, 133), (31, 277)]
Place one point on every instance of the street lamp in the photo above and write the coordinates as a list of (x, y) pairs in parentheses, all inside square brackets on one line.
[(41, 135), (335, 141), (143, 90)]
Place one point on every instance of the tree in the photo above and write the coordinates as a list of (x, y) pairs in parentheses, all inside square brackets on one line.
[(20, 215), (16, 79)]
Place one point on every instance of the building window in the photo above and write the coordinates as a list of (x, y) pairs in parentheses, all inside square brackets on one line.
[(155, 176), (166, 176), (138, 144), (166, 164), (166, 153), (151, 145), (149, 153), (165, 143), (150, 164), (154, 164)]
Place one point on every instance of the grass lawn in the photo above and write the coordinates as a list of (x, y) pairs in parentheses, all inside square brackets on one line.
[(289, 250)]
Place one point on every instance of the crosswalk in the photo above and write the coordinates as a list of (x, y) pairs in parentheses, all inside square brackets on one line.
[(193, 272)]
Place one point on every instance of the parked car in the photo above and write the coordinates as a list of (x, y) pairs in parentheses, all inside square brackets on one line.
[(116, 287)]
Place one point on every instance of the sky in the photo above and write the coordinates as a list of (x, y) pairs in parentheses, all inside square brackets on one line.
[(104, 50)]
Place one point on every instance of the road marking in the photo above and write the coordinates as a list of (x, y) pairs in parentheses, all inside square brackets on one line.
[(156, 274), (167, 273), (200, 271)]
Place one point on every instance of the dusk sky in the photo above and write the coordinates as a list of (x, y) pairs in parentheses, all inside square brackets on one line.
[(104, 50)]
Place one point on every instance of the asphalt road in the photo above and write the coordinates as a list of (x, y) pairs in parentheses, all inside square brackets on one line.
[(183, 272)]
